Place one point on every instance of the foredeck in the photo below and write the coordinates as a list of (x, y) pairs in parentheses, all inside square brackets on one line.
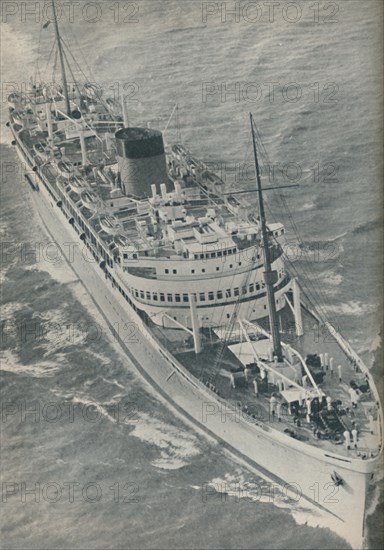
[(257, 408)]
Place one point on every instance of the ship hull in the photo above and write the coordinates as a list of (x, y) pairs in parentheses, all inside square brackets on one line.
[(303, 470)]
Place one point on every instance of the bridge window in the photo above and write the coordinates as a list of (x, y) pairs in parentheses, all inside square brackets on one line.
[(202, 297), (219, 294), (177, 298), (192, 271), (219, 254), (231, 265), (155, 296), (257, 286), (213, 255), (251, 288), (142, 294), (166, 270), (185, 298), (169, 298), (174, 271), (236, 292), (217, 268), (148, 295), (211, 295), (162, 297), (228, 293), (203, 270), (136, 293)]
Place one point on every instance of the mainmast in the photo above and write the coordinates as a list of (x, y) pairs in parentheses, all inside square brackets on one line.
[(269, 275), (61, 56)]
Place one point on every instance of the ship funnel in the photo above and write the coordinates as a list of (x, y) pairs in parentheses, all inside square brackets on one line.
[(141, 160)]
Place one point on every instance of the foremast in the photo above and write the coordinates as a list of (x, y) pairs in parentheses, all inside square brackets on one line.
[(269, 275), (61, 57)]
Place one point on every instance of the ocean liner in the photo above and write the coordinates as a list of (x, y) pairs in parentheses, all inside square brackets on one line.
[(198, 280)]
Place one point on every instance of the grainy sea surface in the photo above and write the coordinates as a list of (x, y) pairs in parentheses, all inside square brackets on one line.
[(166, 56)]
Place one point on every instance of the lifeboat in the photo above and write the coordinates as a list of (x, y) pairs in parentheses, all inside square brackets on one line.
[(121, 241), (66, 169), (42, 150), (109, 224), (90, 200)]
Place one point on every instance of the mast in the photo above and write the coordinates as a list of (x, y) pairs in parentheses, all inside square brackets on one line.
[(61, 56), (269, 275)]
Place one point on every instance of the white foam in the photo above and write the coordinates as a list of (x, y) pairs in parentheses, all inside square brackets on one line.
[(177, 447), (43, 369), (353, 307)]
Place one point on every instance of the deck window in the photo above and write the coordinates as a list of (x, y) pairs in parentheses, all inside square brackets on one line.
[(166, 270), (155, 296), (185, 298), (228, 293), (244, 290), (251, 288), (177, 298), (219, 254), (162, 297), (148, 295), (142, 294), (211, 295), (219, 294), (169, 298), (257, 286), (202, 296), (236, 291), (174, 271)]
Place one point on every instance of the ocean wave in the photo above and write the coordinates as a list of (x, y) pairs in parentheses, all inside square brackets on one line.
[(176, 447), (306, 206), (353, 307), (44, 369), (332, 278), (302, 511), (367, 226)]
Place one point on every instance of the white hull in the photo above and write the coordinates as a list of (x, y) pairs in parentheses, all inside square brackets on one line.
[(287, 461)]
